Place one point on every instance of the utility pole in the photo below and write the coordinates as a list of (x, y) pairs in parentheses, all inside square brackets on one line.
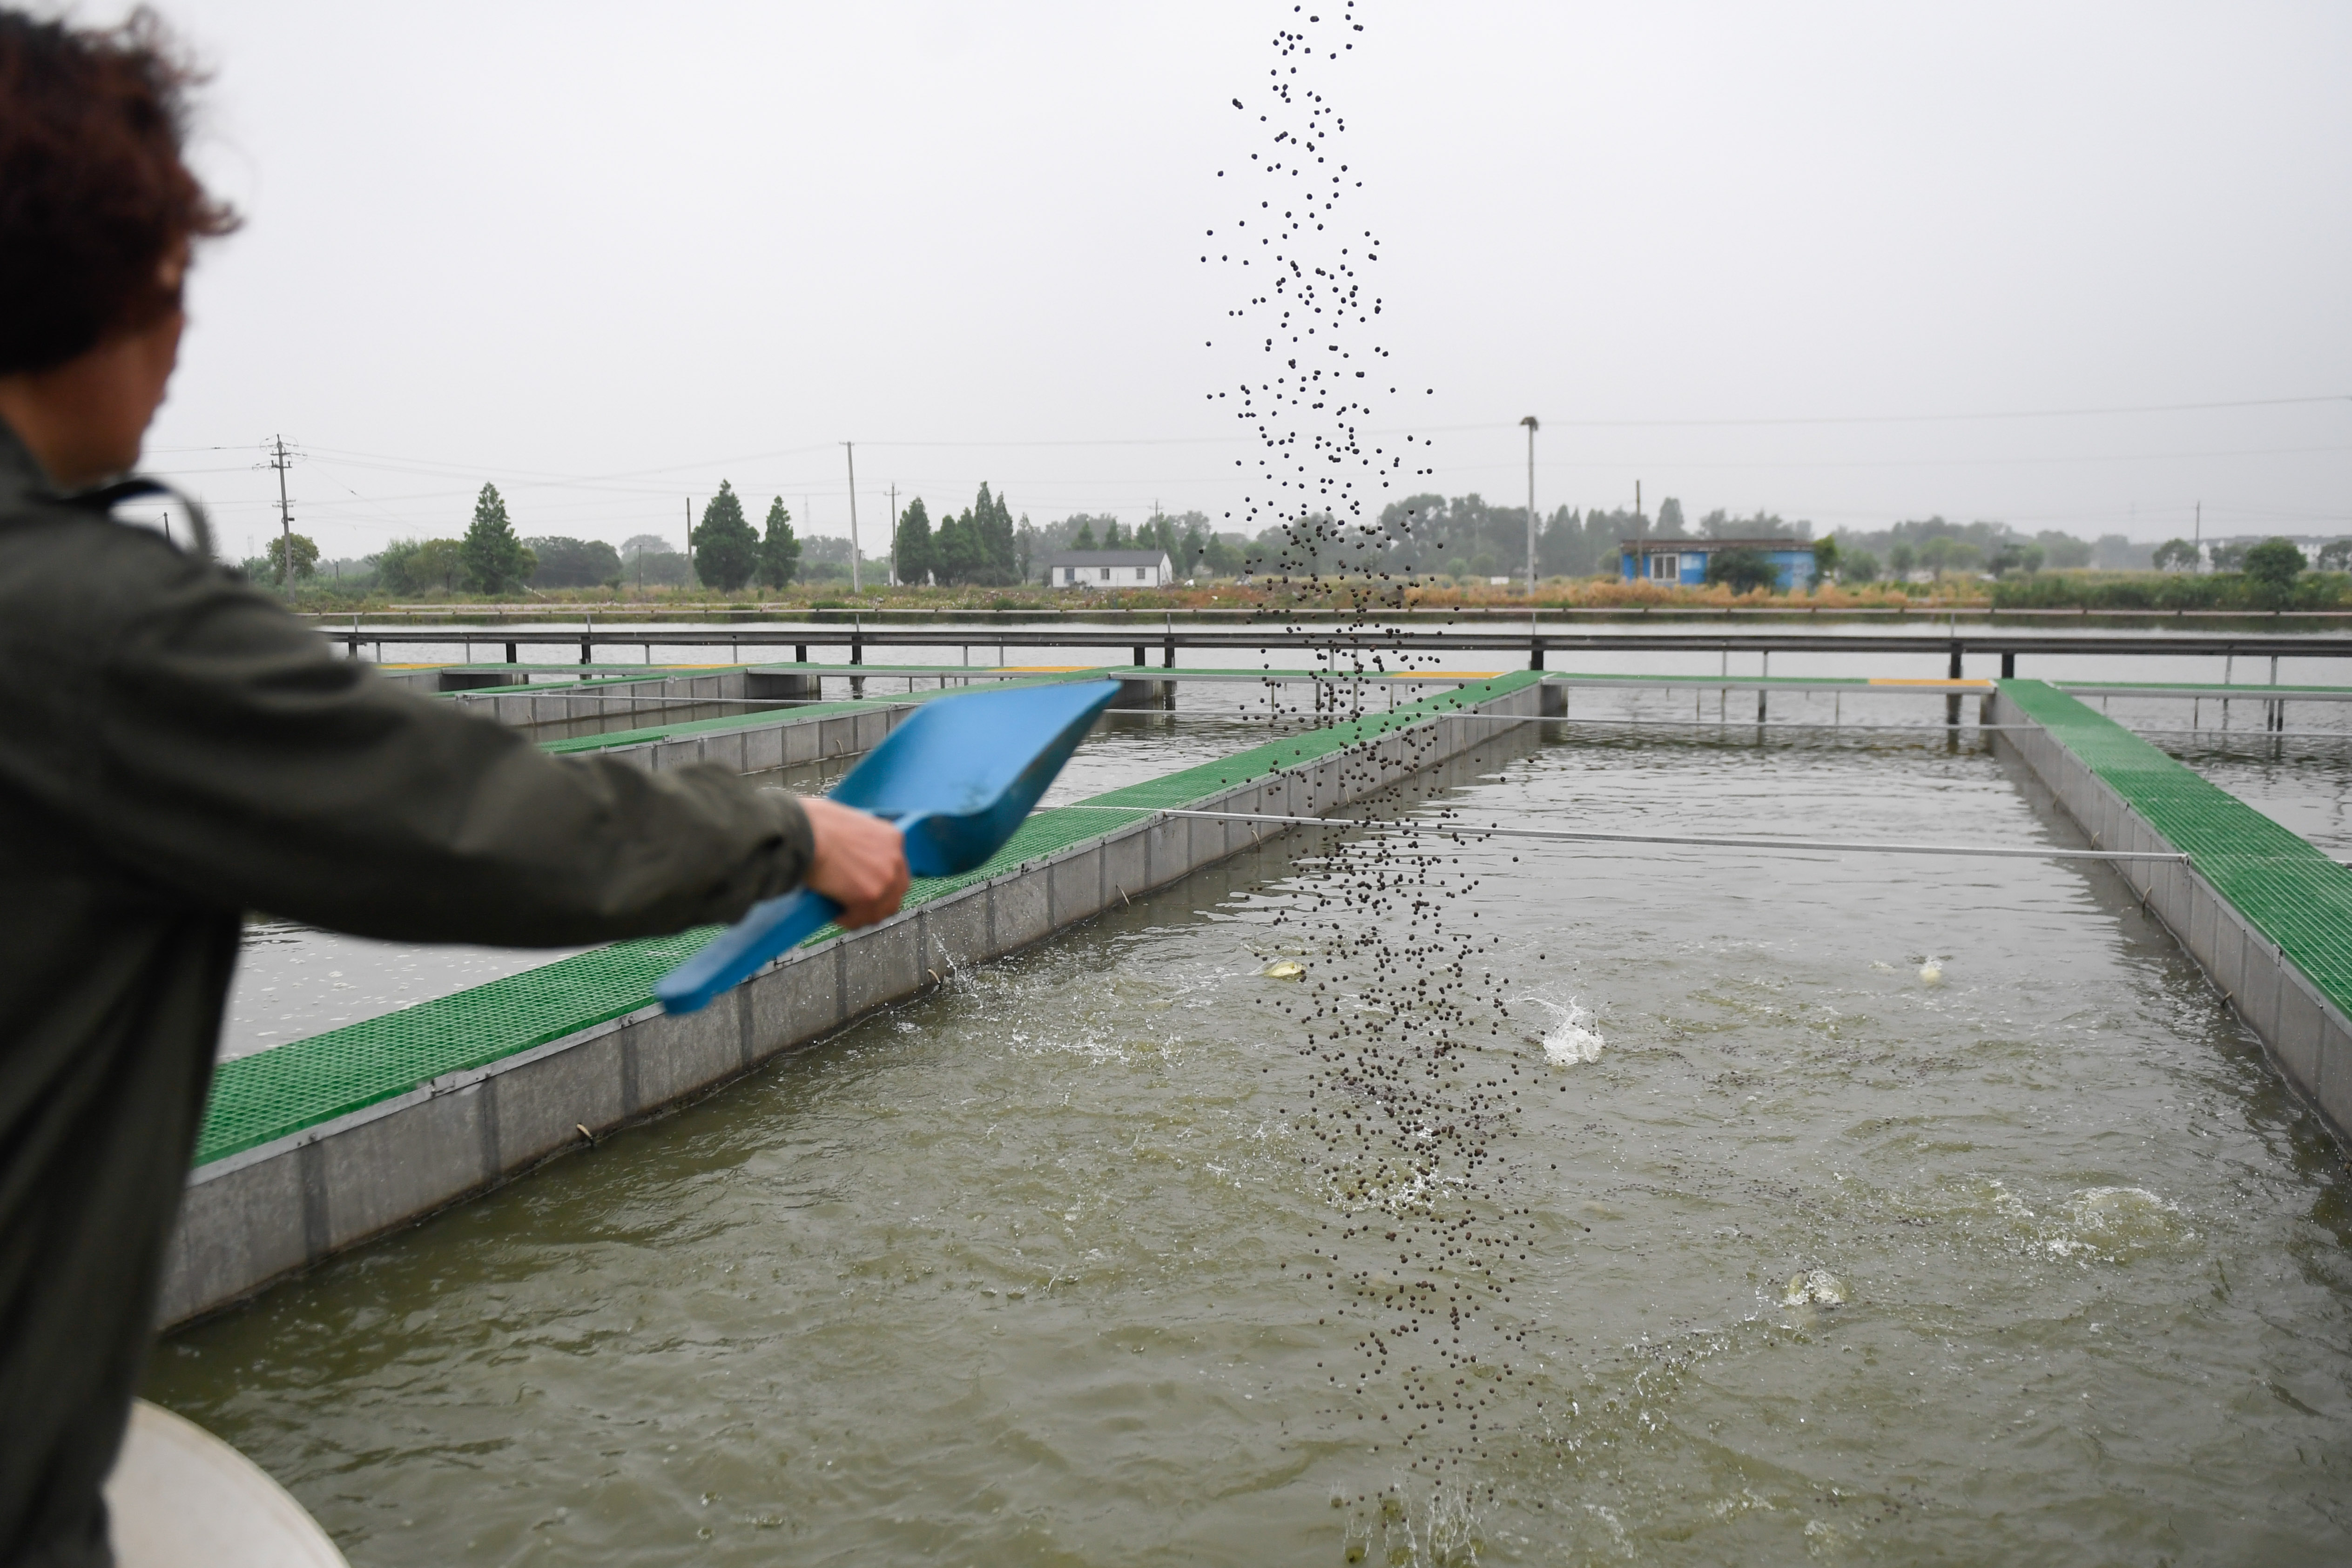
[(851, 448), (279, 461), (2198, 537), (1530, 423), (896, 581), (689, 542), (1638, 531)]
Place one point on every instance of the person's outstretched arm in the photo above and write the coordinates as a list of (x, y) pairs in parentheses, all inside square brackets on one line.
[(221, 748)]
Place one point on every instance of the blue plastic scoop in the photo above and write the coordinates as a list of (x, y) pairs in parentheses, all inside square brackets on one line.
[(957, 777)]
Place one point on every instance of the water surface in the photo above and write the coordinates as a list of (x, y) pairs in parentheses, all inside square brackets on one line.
[(1072, 1260)]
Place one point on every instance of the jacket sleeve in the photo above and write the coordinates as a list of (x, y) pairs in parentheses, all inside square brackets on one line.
[(237, 760)]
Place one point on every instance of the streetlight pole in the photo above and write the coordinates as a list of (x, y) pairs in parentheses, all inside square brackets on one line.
[(1530, 423)]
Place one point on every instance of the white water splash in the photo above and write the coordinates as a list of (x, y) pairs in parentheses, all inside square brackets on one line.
[(1571, 1041), (1813, 1287)]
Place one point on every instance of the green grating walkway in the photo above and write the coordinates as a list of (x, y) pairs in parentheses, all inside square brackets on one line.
[(260, 1098), (2293, 895), (744, 720)]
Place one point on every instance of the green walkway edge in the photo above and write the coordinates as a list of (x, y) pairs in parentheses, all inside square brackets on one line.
[(2289, 890), (273, 1093)]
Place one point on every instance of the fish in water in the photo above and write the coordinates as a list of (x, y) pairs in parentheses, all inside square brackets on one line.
[(1288, 969), (1814, 1287)]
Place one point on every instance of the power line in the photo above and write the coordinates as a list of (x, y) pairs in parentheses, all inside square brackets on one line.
[(1909, 418), (1616, 464)]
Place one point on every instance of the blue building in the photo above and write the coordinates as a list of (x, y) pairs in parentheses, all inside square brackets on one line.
[(1683, 561)]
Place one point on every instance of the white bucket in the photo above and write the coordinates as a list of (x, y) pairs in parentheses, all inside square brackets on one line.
[(181, 1498)]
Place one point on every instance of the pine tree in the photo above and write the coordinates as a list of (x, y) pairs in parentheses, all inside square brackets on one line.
[(999, 562), (780, 552), (490, 558), (1086, 539), (1112, 537), (913, 550), (958, 554), (725, 550)]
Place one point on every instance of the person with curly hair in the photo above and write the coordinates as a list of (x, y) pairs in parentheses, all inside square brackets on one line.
[(175, 749)]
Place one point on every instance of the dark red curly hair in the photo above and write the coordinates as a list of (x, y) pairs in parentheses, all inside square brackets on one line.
[(94, 193)]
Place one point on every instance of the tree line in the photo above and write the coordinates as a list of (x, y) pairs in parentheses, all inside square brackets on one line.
[(980, 546), (1192, 547), (491, 559), (1421, 536)]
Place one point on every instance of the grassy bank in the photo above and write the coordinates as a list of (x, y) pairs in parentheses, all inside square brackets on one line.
[(1262, 594), (2158, 591), (2112, 591)]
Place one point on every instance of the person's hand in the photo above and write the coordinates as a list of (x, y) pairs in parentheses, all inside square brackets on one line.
[(860, 861)]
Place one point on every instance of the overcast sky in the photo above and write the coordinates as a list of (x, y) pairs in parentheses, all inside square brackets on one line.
[(606, 255)]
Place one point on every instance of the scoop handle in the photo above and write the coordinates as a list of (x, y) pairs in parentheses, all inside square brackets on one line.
[(738, 953)]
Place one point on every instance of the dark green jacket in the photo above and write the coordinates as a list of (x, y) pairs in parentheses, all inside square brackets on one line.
[(175, 749)]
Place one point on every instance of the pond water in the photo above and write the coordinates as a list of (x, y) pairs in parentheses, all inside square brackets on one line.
[(1674, 1206)]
